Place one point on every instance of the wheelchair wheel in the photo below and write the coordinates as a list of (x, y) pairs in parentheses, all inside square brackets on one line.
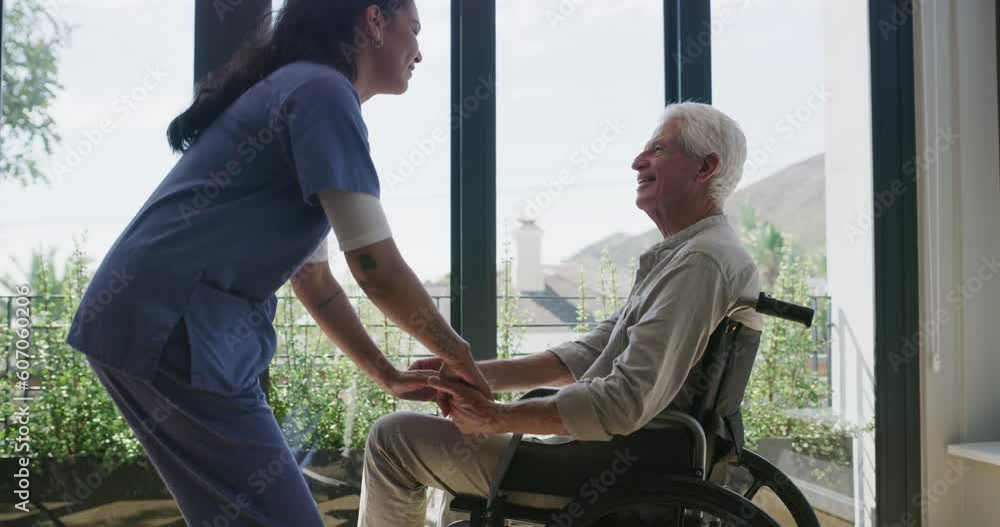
[(764, 474), (681, 502)]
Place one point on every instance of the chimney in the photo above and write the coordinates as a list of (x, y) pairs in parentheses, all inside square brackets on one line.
[(528, 275)]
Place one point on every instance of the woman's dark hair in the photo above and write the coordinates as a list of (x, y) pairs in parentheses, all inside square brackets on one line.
[(322, 31)]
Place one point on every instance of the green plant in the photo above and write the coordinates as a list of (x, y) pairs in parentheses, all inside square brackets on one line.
[(765, 243), (510, 320), (783, 380), (71, 414), (33, 40), (319, 397), (510, 324), (42, 274), (610, 299), (582, 316), (317, 394)]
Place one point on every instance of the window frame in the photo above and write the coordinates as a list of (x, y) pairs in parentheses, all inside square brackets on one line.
[(473, 214), (895, 231)]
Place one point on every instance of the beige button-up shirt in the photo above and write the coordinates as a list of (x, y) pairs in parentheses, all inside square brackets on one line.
[(632, 366)]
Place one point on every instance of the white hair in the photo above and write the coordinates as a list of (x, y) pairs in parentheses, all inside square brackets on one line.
[(705, 130)]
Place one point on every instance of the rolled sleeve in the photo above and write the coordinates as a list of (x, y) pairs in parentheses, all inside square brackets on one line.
[(579, 355), (320, 254), (576, 357), (357, 218), (579, 413), (663, 345), (328, 139)]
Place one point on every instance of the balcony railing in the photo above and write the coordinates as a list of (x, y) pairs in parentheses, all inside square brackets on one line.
[(820, 330)]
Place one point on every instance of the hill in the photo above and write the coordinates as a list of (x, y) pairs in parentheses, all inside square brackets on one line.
[(794, 199)]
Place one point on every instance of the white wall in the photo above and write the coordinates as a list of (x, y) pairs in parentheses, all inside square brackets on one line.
[(959, 194), (850, 258)]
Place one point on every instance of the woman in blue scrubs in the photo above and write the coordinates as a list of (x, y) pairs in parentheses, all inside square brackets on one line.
[(177, 322)]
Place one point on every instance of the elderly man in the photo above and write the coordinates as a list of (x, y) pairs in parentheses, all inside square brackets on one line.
[(618, 378)]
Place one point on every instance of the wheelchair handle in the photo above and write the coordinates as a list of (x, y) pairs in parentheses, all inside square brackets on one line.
[(770, 306)]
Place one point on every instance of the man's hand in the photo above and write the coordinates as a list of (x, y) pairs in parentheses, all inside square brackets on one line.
[(466, 372), (434, 364), (471, 410), (411, 385), (429, 363)]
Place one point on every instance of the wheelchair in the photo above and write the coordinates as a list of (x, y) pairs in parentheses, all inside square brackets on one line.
[(711, 485)]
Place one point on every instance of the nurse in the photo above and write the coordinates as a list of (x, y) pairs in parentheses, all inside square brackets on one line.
[(177, 322)]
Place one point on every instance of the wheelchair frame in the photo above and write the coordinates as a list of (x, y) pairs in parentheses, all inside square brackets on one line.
[(681, 492)]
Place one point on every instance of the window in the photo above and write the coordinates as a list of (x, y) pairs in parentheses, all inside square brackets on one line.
[(795, 74), (111, 113), (124, 71), (580, 90)]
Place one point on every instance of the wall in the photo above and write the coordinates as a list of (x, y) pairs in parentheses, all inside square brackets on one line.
[(849, 217), (959, 194)]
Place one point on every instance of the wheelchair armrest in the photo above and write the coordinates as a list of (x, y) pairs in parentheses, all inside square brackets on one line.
[(700, 450)]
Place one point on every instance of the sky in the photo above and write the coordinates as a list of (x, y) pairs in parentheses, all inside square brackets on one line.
[(579, 90)]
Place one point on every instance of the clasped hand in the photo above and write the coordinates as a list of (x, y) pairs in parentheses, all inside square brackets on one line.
[(462, 393)]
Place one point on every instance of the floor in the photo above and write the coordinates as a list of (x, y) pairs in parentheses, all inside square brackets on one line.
[(336, 512)]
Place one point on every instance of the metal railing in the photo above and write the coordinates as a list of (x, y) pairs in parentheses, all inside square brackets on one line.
[(820, 331)]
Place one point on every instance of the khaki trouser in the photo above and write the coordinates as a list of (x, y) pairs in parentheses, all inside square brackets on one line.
[(407, 453)]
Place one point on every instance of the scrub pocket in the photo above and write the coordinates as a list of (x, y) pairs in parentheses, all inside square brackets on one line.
[(232, 339)]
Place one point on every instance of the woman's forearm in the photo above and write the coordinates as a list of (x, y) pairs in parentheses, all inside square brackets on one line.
[(326, 302), (395, 289), (526, 373)]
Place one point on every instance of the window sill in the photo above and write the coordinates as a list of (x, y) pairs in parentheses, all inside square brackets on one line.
[(988, 452)]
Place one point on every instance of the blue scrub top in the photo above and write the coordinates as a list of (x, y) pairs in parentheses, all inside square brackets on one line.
[(233, 221)]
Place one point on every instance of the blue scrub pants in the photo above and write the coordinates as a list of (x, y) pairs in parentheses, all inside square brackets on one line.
[(222, 457)]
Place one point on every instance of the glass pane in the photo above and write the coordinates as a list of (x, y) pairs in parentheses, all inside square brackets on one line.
[(329, 404), (99, 174), (795, 74), (410, 137), (118, 72), (580, 89)]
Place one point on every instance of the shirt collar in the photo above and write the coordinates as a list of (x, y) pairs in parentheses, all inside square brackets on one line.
[(687, 233)]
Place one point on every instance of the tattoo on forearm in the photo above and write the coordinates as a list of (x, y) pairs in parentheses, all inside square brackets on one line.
[(367, 262), (436, 329), (330, 299)]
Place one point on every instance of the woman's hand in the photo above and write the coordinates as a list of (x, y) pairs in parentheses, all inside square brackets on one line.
[(472, 412), (461, 366), (433, 364), (429, 363), (411, 385), (466, 371)]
